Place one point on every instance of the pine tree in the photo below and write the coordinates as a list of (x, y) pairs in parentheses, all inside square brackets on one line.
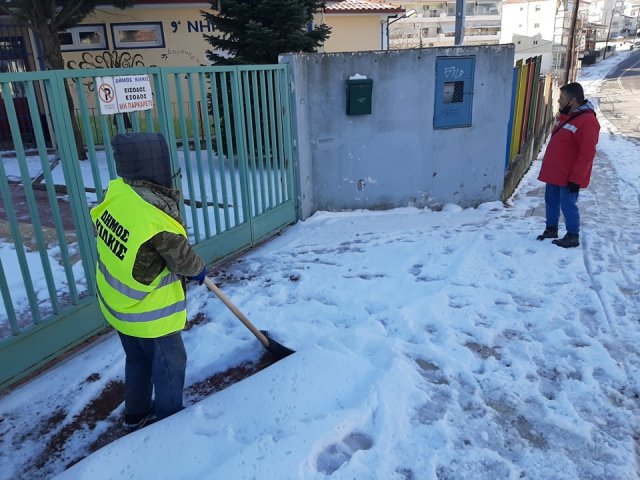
[(257, 31)]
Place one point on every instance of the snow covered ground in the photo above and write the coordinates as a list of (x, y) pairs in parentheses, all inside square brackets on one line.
[(429, 345)]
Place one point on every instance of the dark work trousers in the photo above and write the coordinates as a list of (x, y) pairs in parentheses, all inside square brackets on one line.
[(154, 364), (560, 198)]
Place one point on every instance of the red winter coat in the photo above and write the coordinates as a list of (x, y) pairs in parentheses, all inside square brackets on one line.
[(572, 148)]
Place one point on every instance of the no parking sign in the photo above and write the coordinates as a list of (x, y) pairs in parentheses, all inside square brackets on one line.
[(124, 94)]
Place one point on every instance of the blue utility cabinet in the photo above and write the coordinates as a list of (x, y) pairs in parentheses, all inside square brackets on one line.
[(454, 92)]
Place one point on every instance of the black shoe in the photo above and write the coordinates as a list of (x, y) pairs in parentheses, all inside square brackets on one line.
[(549, 232), (134, 422), (570, 240)]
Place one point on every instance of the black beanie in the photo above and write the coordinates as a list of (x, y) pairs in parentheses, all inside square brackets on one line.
[(142, 156)]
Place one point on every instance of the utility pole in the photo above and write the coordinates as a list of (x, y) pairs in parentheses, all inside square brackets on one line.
[(461, 13), (572, 42), (606, 44)]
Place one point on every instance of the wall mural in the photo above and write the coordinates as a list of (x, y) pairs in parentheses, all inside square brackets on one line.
[(107, 59)]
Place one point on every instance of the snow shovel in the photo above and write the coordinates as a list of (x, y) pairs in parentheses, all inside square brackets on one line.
[(274, 348)]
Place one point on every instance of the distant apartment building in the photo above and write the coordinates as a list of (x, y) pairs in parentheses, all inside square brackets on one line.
[(542, 27), (434, 23), (634, 13), (617, 18)]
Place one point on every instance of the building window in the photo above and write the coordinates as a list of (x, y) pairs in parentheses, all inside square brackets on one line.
[(137, 35), (83, 37), (487, 9), (536, 25), (433, 13), (537, 8)]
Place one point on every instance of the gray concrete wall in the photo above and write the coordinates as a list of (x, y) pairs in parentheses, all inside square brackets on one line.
[(394, 157)]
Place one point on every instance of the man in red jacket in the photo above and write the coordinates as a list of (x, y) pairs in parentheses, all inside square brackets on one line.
[(567, 163)]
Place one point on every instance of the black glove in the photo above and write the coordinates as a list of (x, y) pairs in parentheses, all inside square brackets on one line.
[(199, 277), (573, 187)]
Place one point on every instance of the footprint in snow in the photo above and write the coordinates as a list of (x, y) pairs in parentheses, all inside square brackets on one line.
[(337, 454)]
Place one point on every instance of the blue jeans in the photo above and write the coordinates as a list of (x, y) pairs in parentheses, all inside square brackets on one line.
[(154, 363), (557, 198)]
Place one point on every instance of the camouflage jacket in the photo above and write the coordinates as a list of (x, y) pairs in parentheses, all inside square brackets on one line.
[(163, 248)]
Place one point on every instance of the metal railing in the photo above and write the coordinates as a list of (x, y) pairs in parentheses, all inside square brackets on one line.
[(230, 129)]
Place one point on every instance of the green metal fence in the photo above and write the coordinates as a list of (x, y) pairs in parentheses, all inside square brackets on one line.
[(231, 129)]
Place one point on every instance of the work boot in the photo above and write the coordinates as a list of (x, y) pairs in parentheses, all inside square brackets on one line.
[(134, 422), (550, 232), (570, 240)]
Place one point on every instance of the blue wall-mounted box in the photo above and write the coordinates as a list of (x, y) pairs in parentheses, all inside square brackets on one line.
[(454, 92)]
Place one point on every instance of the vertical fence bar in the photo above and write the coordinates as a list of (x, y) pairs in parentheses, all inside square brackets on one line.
[(514, 90), (207, 135), (264, 139), (7, 302), (51, 194), (264, 172), (106, 136), (31, 202), (120, 125), (280, 126), (220, 147), (534, 96), (282, 118), (273, 115), (252, 163), (148, 121), (187, 156), (167, 127), (197, 148), (270, 134), (257, 180), (539, 97), (229, 132), (515, 143), (13, 223), (91, 146), (239, 124), (527, 102), (135, 121), (73, 176)]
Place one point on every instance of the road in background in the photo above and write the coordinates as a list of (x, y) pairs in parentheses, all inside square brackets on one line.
[(620, 96)]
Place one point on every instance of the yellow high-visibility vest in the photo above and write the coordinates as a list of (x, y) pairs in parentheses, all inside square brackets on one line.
[(124, 221)]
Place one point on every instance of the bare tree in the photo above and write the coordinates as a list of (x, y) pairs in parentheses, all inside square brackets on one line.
[(46, 18)]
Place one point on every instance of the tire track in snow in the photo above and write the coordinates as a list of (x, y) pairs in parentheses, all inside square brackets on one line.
[(608, 257)]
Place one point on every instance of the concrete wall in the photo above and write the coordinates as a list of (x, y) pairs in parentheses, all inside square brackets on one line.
[(394, 157)]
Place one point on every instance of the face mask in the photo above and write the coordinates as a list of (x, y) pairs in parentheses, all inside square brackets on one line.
[(566, 109)]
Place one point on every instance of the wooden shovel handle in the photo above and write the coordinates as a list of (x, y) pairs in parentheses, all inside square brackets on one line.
[(259, 335)]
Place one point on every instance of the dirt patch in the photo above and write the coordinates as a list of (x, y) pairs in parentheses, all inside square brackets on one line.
[(98, 409), (222, 380), (197, 319), (61, 434)]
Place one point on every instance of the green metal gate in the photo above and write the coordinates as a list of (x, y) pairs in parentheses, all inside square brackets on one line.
[(231, 129)]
